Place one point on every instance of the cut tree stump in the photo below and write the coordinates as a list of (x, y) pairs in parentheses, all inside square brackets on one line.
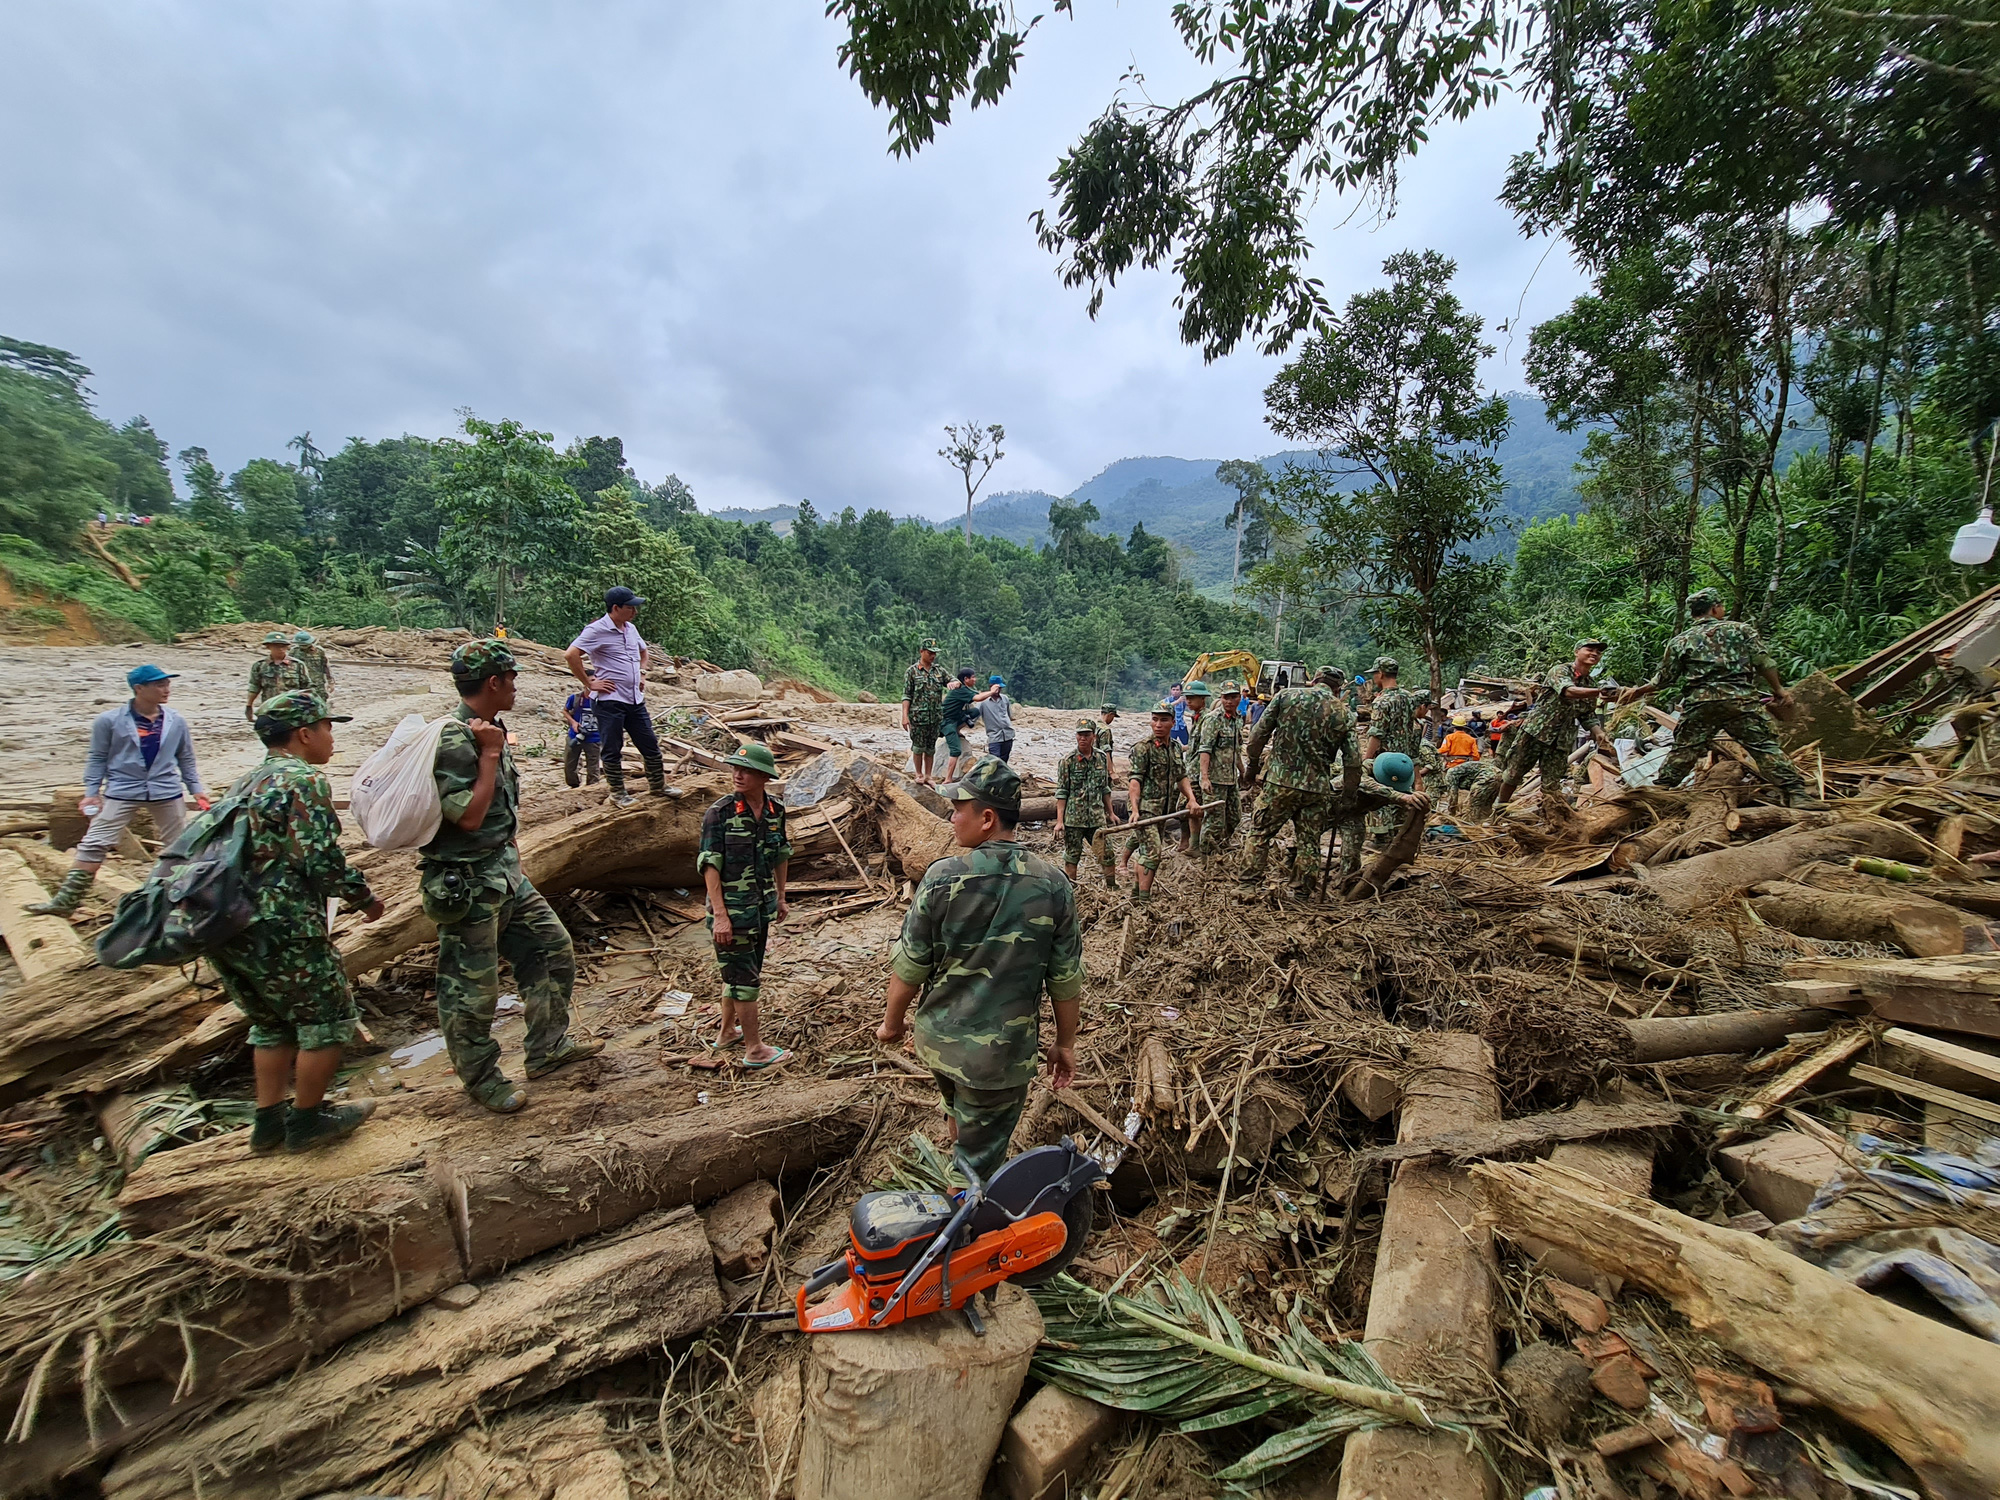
[(428, 1374), (1688, 885), (1931, 1392), (43, 946), (1432, 1302), (914, 1412), (1923, 929)]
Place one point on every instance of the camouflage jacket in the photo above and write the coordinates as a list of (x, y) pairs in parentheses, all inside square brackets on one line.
[(747, 850), (1082, 787), (1554, 717), (1393, 721), (1104, 739), (296, 865), (989, 930), (1158, 769), (490, 846), (923, 690), (1719, 661), (318, 668), (1308, 730), (269, 678), (1221, 740)]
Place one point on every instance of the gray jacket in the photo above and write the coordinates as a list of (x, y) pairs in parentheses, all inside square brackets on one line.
[(117, 764)]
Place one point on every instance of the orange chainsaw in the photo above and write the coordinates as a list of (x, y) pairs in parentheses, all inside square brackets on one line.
[(910, 1254)]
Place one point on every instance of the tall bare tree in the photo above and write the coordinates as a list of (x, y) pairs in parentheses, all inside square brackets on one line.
[(970, 448)]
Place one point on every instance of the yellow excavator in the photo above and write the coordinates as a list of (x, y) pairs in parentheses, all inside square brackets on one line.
[(1262, 680)]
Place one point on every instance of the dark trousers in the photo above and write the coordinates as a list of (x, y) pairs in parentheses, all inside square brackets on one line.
[(614, 720), (1000, 749)]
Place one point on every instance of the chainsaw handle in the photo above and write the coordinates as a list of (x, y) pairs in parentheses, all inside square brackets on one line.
[(830, 1274)]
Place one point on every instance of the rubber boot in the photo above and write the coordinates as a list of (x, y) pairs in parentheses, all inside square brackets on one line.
[(656, 777), (619, 796), (500, 1094), (69, 895), (267, 1129), (322, 1125)]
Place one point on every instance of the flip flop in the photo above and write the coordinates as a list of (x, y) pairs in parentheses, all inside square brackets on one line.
[(777, 1056)]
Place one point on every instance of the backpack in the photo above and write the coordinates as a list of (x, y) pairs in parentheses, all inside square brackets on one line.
[(395, 798), (198, 897)]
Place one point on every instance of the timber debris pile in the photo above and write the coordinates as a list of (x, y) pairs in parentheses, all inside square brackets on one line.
[(1644, 1146)]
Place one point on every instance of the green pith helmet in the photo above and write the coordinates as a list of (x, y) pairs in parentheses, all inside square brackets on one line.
[(276, 638), (992, 780), (302, 637), (298, 708), (1397, 770), (752, 756), (1195, 690), (482, 659)]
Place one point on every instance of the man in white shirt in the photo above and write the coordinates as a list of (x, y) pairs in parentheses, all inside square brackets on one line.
[(618, 656)]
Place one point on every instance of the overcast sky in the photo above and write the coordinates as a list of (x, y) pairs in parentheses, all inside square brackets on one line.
[(672, 222)]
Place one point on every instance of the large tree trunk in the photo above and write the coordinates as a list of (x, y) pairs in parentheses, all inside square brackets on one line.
[(1688, 885), (1669, 1038), (382, 1398), (1922, 929), (1931, 1392)]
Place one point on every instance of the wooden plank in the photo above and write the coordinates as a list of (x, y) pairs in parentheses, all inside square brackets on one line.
[(1985, 1064), (1833, 1051), (41, 945), (1914, 1088), (1827, 994), (1937, 1010)]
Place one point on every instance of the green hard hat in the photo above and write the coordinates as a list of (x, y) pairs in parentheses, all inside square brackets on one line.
[(1397, 770), (297, 709), (482, 659), (276, 638), (752, 756), (992, 780)]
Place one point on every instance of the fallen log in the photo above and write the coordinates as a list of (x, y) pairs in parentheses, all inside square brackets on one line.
[(1431, 1305), (43, 946), (1923, 929), (1581, 1122), (1642, 847), (1401, 850), (1747, 823), (1688, 885), (1929, 1391), (1668, 1038), (385, 1396)]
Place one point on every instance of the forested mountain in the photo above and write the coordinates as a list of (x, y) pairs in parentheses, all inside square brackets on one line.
[(1181, 500)]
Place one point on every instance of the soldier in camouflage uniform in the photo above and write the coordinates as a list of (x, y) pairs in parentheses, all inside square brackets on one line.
[(282, 971), (1219, 760), (743, 859), (989, 930), (1394, 728), (1107, 714), (312, 656), (923, 708), (1721, 659), (1083, 805), (484, 907), (276, 674), (1196, 695), (1156, 777), (1546, 734), (1479, 777), (1308, 731)]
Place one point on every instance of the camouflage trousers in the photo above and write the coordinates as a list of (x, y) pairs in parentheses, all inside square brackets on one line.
[(1093, 841), (1521, 753), (288, 979), (740, 961), (1309, 813), (924, 734), (1145, 844), (985, 1118), (516, 924), (1747, 723), (1220, 825), (1479, 777)]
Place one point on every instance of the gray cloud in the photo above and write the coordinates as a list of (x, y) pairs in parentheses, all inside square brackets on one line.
[(671, 222)]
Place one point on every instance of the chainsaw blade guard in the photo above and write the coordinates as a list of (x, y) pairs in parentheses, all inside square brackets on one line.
[(1049, 1179)]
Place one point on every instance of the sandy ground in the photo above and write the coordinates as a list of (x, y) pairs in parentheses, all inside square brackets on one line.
[(49, 695)]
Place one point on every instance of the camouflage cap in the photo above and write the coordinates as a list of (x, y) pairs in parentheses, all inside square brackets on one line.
[(1231, 690), (928, 646), (298, 708), (752, 756), (1086, 726), (276, 638), (1196, 690), (1388, 664), (303, 637), (1704, 599), (1107, 708), (482, 659), (990, 780), (1163, 709), (1332, 676), (1593, 643)]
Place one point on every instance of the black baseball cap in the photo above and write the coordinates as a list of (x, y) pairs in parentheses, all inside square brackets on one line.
[(619, 597)]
